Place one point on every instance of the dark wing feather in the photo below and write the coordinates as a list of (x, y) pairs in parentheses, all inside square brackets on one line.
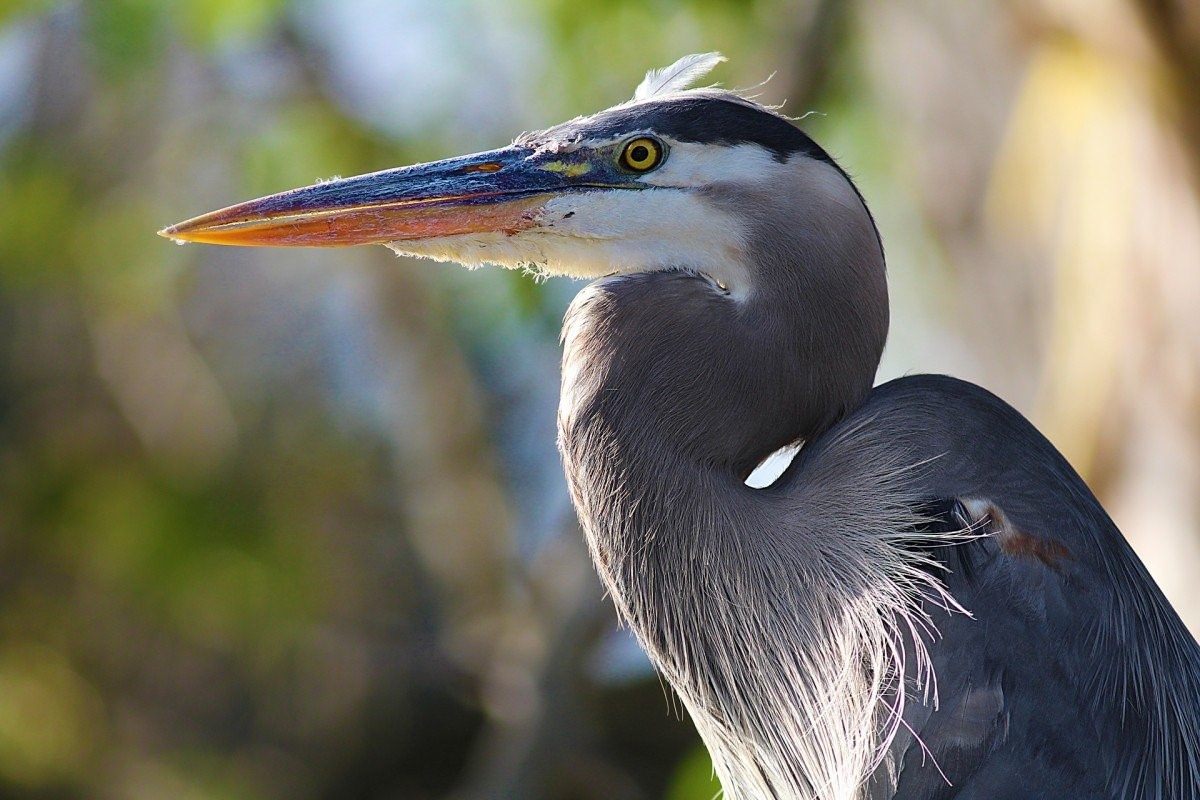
[(1073, 678)]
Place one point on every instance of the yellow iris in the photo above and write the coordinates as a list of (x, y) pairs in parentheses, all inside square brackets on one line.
[(642, 154)]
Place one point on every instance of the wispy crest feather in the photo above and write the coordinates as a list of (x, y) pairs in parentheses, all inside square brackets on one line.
[(678, 76)]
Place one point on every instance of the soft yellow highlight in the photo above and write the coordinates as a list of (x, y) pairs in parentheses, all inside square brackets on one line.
[(570, 170)]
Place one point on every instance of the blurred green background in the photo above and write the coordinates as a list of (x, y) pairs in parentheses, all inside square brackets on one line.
[(291, 524)]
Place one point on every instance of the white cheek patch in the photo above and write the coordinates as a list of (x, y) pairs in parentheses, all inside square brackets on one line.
[(638, 230), (597, 233)]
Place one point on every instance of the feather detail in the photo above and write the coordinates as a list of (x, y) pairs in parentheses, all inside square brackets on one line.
[(680, 75)]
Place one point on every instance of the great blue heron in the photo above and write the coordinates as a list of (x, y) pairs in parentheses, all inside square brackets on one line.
[(929, 602)]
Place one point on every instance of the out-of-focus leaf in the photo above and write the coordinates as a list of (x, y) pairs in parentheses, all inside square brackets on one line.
[(694, 779), (39, 204), (10, 9), (49, 717), (212, 23), (126, 36)]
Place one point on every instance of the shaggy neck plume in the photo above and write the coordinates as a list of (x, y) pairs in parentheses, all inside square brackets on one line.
[(672, 393)]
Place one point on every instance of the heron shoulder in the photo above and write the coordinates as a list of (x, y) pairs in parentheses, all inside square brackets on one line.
[(1055, 570)]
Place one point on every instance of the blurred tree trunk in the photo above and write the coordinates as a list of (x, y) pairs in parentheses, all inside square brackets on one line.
[(1174, 26)]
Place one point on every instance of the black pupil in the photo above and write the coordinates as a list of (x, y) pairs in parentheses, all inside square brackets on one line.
[(639, 154)]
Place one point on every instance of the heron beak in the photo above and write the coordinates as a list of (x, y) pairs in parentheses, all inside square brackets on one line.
[(496, 191)]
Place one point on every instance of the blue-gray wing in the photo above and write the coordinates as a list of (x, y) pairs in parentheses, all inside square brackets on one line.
[(1013, 718), (1072, 677)]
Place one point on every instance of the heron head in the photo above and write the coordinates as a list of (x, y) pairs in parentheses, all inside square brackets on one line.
[(675, 178)]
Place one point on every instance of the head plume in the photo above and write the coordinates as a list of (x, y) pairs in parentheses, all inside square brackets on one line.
[(680, 75)]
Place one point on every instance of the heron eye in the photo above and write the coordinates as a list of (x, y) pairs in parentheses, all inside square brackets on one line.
[(642, 154)]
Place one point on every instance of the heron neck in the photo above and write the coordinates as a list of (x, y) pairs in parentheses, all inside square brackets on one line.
[(652, 438), (740, 597), (671, 395), (641, 497)]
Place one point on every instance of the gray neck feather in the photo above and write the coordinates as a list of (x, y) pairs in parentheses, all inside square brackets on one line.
[(782, 619)]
